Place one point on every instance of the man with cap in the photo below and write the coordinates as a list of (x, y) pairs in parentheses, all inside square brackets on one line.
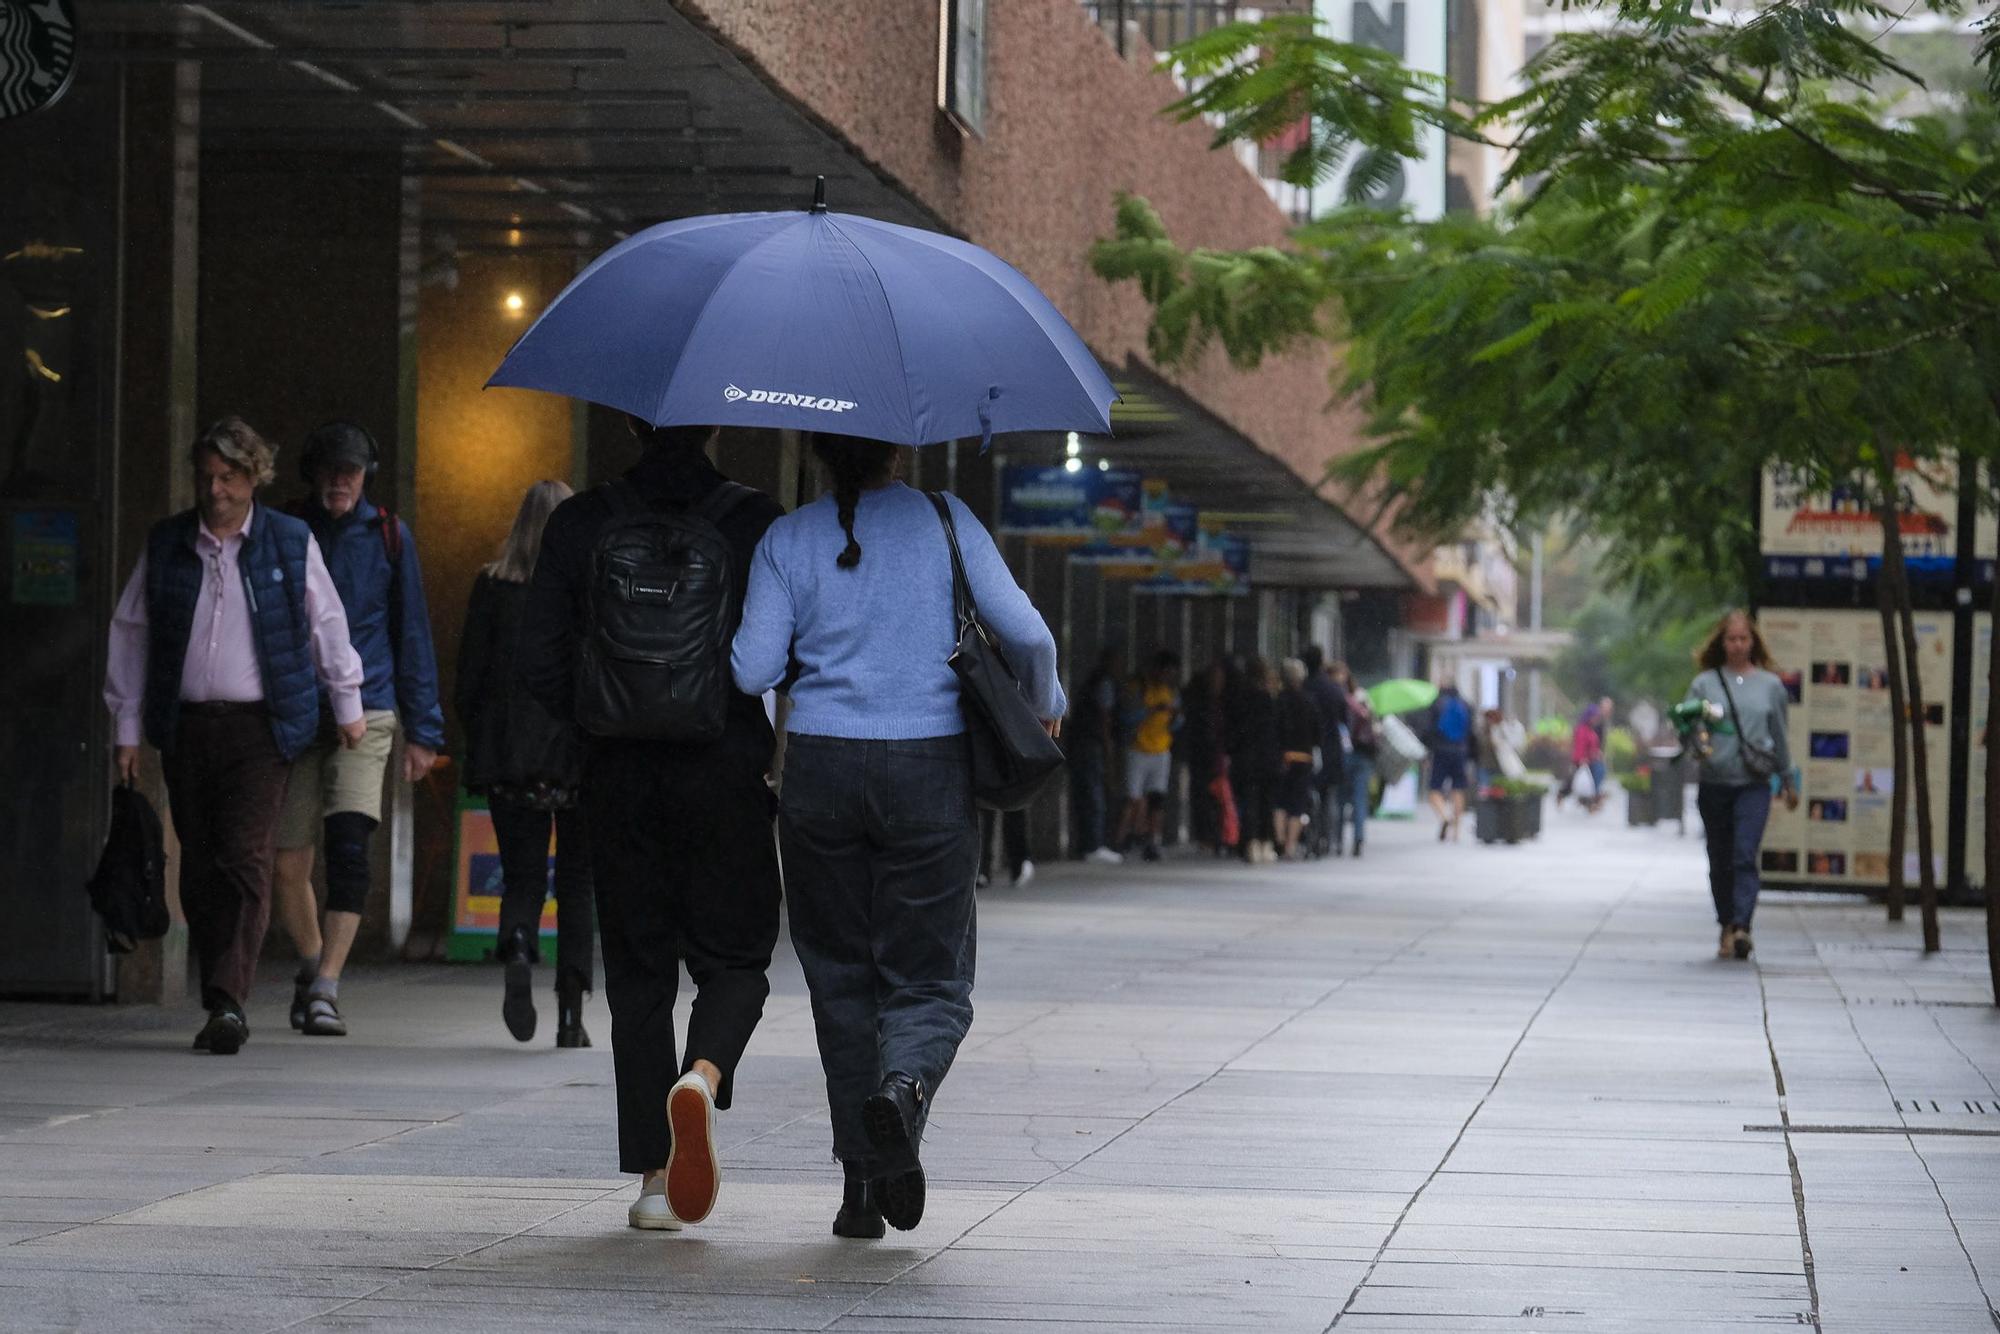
[(223, 641), (335, 792)]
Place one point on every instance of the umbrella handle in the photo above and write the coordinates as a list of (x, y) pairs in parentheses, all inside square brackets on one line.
[(819, 194)]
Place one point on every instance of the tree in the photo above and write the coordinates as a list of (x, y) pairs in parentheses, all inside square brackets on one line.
[(1724, 257)]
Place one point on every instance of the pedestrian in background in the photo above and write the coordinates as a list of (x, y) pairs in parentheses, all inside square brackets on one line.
[(1092, 742), (335, 792), (1152, 712), (1586, 757), (674, 790), (1330, 701), (1748, 751), (1363, 743), (528, 764), (1204, 753), (876, 817), (225, 635), (1298, 738), (1448, 732), (1256, 760)]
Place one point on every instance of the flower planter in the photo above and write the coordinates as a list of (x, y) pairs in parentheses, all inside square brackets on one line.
[(1639, 808), (1507, 819)]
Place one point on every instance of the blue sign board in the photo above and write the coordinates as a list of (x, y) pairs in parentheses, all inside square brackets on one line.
[(1058, 502)]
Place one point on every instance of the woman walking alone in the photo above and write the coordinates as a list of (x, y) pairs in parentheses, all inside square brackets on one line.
[(529, 766), (1747, 749), (876, 822)]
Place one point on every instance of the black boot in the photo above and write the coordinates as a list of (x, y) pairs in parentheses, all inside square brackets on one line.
[(517, 1007), (569, 1014), (858, 1216), (894, 1118)]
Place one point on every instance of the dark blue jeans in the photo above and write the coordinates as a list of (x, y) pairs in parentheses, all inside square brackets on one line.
[(881, 845), (1732, 819)]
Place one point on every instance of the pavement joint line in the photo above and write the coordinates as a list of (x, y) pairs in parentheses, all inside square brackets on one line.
[(1212, 952), (1888, 1087), (1960, 1131), (407, 1275), (1473, 1115)]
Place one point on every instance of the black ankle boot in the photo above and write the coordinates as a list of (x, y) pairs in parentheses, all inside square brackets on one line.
[(858, 1216), (893, 1117), (517, 1005), (569, 1014)]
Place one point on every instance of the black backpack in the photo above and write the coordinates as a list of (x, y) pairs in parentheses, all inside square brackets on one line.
[(659, 616), (129, 890)]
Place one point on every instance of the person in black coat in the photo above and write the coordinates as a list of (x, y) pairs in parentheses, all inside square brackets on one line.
[(1255, 759), (529, 767)]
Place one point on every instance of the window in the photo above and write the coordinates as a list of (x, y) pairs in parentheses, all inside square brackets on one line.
[(962, 63)]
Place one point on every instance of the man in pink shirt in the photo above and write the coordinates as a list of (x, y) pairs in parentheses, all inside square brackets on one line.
[(222, 641)]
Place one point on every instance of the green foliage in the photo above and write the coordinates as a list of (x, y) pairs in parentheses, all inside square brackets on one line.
[(1621, 752), (1638, 783), (1634, 649), (1725, 255), (1521, 788)]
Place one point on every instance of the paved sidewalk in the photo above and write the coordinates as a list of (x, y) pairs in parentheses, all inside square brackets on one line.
[(1444, 1088)]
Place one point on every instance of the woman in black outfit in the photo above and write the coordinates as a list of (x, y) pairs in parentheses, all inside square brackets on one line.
[(1255, 760), (1298, 738), (529, 766)]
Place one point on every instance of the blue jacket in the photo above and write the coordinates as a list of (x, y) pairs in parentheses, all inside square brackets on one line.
[(399, 663), (273, 567)]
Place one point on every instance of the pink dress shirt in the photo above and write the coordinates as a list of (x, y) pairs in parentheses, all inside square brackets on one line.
[(221, 661)]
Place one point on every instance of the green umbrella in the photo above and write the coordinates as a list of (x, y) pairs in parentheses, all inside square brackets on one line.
[(1404, 696)]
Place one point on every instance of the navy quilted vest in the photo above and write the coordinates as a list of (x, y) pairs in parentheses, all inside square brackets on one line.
[(273, 568)]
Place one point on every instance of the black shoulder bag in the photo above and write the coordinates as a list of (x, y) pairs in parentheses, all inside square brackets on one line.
[(1760, 762), (1013, 755)]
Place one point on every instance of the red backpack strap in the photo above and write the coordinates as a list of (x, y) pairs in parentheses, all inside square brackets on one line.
[(392, 536)]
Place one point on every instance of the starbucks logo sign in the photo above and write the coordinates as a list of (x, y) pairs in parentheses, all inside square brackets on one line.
[(37, 53)]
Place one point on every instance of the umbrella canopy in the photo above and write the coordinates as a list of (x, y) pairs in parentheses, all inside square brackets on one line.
[(1388, 698), (816, 321)]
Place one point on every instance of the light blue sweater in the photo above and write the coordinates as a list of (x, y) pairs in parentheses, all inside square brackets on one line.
[(872, 641)]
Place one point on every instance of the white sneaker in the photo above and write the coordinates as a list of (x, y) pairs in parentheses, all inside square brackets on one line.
[(1025, 874), (1104, 856), (694, 1175), (650, 1210)]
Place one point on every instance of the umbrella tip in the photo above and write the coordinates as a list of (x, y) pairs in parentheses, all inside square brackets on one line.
[(819, 194)]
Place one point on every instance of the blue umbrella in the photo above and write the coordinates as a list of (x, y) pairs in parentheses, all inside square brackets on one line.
[(817, 321)]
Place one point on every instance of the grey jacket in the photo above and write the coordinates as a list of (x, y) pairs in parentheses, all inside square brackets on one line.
[(1761, 703)]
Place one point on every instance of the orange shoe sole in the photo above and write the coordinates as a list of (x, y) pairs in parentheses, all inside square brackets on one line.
[(693, 1175)]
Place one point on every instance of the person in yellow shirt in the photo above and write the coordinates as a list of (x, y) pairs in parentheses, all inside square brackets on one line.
[(1152, 715)]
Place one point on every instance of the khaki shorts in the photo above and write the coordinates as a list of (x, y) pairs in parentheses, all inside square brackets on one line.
[(330, 779)]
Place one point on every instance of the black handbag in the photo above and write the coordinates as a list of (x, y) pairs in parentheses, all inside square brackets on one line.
[(1013, 755), (129, 890)]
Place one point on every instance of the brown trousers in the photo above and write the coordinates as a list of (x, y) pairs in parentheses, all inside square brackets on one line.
[(225, 785)]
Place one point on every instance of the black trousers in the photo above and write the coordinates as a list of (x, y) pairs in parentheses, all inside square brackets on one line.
[(523, 834), (1013, 841), (686, 872), (881, 846)]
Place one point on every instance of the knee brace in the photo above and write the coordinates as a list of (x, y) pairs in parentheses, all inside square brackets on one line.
[(347, 834), (1156, 802)]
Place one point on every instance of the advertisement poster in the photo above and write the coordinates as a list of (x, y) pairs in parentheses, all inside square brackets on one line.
[(1056, 502), (476, 886), (44, 555), (1843, 751), (1838, 535)]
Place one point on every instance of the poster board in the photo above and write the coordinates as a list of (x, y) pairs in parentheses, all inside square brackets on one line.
[(1842, 745)]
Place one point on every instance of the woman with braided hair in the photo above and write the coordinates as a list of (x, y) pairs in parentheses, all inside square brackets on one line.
[(851, 598)]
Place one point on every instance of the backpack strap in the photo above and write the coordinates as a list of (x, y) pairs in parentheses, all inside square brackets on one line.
[(724, 499), (391, 531)]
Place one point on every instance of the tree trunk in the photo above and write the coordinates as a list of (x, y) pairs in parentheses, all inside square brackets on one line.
[(1899, 824), (1897, 577), (1987, 740)]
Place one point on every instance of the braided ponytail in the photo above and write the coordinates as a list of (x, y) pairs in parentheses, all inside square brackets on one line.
[(852, 465)]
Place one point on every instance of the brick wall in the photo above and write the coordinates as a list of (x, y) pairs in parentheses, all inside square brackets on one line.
[(1069, 125)]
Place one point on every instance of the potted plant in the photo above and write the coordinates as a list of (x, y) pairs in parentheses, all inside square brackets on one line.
[(1639, 808), (1510, 810)]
